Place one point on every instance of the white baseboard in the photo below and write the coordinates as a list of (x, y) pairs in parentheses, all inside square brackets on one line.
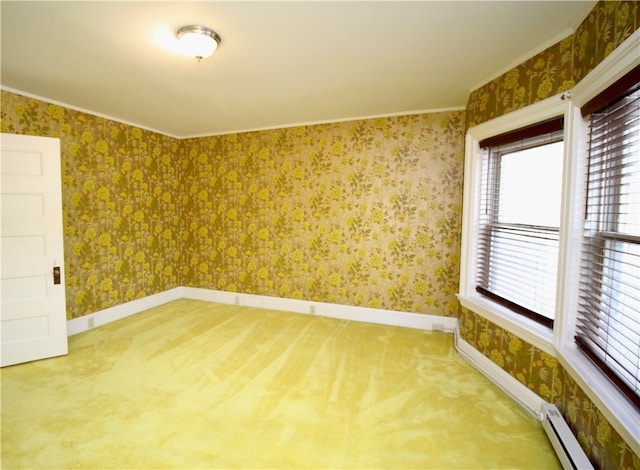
[(526, 398), (344, 312), (108, 315)]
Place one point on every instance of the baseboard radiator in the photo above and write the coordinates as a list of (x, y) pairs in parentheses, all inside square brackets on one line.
[(562, 439)]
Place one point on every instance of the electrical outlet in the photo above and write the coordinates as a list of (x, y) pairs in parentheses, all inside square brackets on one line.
[(90, 322), (312, 309), (437, 327), (237, 300)]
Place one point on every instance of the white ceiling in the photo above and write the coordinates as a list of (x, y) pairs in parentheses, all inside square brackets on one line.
[(280, 63)]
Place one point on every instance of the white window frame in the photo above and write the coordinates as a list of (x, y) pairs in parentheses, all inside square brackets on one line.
[(558, 343), (530, 330)]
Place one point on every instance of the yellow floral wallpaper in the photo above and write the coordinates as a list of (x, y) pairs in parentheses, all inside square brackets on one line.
[(555, 70), (359, 213), (542, 374), (558, 68), (120, 205)]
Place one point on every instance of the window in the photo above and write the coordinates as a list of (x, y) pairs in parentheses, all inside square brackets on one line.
[(519, 220), (608, 328), (598, 270)]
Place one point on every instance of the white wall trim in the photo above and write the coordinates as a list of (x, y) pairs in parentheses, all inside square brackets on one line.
[(233, 131), (549, 108), (621, 61), (83, 110), (326, 121), (527, 399), (618, 411), (108, 315), (528, 55), (532, 332), (346, 312)]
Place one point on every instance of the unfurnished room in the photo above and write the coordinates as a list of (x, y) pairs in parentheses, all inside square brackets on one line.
[(329, 235)]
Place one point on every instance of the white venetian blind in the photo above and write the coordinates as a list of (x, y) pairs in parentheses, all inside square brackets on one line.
[(608, 328), (519, 219)]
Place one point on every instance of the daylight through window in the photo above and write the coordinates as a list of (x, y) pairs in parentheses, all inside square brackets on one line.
[(519, 219)]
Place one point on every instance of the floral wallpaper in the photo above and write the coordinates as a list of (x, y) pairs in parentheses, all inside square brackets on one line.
[(359, 213), (542, 374), (555, 70), (559, 67), (120, 208)]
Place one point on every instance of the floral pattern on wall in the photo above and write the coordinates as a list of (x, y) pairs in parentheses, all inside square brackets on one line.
[(542, 374), (359, 213), (553, 71), (120, 209), (559, 67)]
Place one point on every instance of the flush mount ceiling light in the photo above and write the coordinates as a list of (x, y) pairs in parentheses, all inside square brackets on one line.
[(198, 41)]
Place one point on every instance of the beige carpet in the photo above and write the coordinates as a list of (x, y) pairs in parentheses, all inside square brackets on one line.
[(200, 385)]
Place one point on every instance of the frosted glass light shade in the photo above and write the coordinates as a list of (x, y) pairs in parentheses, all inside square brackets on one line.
[(198, 41)]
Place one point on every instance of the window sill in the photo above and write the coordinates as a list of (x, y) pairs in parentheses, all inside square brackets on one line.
[(530, 331), (615, 407), (609, 400)]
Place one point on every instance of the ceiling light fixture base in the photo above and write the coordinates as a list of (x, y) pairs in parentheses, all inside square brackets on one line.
[(199, 41)]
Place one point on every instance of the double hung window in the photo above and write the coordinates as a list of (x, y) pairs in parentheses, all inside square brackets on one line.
[(570, 256), (519, 219), (608, 327)]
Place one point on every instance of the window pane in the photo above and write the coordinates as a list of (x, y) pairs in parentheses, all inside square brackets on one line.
[(523, 269), (530, 186), (519, 224)]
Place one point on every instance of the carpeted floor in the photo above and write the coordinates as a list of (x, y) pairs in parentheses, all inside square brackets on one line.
[(201, 385)]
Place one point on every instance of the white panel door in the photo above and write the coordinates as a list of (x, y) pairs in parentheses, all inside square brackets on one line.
[(34, 323)]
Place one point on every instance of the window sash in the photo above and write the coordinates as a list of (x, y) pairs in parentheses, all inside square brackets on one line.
[(608, 319), (517, 262)]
